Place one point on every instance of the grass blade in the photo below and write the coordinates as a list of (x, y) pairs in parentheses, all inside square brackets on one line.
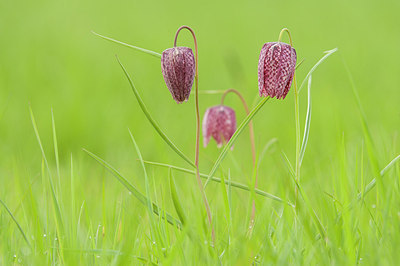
[(142, 198), (314, 215), (372, 184), (153, 229), (146, 179), (149, 52), (219, 180), (152, 121), (234, 137), (327, 54), (310, 209), (59, 222), (53, 124), (16, 222), (175, 198), (367, 135), (307, 123)]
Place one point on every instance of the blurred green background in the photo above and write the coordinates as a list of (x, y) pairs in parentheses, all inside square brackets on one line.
[(49, 59)]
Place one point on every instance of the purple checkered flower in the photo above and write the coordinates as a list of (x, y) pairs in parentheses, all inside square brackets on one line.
[(219, 122), (276, 69), (178, 69)]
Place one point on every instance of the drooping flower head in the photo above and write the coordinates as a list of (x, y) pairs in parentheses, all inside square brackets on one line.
[(178, 69), (276, 69), (219, 122)]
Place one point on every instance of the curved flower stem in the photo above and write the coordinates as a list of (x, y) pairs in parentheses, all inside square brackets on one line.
[(253, 148), (297, 115), (196, 78), (288, 32)]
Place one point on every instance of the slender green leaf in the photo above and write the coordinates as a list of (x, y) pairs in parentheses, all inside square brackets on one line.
[(372, 184), (142, 198), (314, 215), (234, 137), (175, 198), (327, 54), (371, 150), (56, 147), (225, 199), (312, 212), (147, 186), (288, 164), (299, 64), (152, 121), (219, 180), (59, 222), (155, 54), (16, 222), (307, 123)]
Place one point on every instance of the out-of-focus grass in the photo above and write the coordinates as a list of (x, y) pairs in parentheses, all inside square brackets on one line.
[(50, 60)]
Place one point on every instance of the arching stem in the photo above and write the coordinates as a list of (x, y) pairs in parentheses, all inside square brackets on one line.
[(196, 79), (253, 150), (297, 115)]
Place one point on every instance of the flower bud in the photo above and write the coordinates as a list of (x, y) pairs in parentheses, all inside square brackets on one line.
[(276, 69), (178, 69), (219, 122)]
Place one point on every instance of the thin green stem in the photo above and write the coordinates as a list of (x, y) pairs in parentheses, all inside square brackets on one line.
[(298, 141), (296, 114), (197, 148), (288, 32)]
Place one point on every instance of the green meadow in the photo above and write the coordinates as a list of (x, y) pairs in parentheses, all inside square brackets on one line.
[(76, 185)]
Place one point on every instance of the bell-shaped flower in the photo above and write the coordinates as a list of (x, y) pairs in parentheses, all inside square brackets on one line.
[(219, 122), (276, 68), (178, 69)]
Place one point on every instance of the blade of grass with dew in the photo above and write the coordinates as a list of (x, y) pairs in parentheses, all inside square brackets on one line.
[(307, 123), (218, 180), (327, 54), (146, 51), (175, 198), (152, 121), (142, 198), (56, 206), (16, 222), (147, 187), (233, 139)]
